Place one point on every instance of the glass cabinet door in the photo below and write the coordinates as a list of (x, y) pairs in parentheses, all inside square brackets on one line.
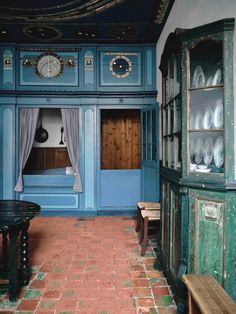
[(171, 115), (205, 112)]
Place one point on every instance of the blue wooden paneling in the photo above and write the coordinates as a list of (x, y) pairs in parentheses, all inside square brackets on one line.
[(53, 201), (89, 158), (150, 63), (89, 68), (104, 192), (48, 181), (7, 148), (120, 188), (7, 68), (150, 186)]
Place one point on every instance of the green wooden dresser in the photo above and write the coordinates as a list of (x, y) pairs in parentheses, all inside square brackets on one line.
[(198, 186)]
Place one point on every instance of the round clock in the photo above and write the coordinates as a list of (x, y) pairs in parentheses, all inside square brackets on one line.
[(120, 66), (49, 65)]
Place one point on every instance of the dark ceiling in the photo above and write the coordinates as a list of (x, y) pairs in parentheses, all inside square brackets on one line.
[(82, 21)]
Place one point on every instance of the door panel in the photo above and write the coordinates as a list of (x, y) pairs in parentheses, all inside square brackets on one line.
[(150, 154)]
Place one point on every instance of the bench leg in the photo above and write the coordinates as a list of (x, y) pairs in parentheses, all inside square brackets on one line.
[(141, 230), (145, 236), (139, 218)]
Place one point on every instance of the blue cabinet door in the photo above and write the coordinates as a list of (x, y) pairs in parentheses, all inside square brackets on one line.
[(150, 154)]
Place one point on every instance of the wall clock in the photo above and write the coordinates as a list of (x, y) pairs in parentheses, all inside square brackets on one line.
[(49, 64), (120, 66), (49, 68)]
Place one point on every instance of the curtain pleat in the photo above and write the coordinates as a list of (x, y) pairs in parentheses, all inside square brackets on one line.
[(70, 120), (28, 124)]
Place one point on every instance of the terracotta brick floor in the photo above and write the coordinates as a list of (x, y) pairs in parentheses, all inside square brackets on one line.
[(92, 266)]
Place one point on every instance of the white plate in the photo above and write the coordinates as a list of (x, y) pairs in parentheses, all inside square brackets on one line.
[(218, 118), (208, 150), (198, 152), (219, 152), (209, 81), (203, 170), (217, 77), (198, 122), (191, 122), (191, 149), (198, 78), (208, 118)]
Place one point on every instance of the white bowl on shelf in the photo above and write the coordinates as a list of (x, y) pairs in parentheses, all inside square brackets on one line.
[(202, 167)]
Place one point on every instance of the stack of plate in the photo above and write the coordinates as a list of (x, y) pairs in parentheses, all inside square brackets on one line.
[(219, 152), (198, 151), (208, 118), (198, 78), (208, 151), (198, 121), (217, 77), (218, 118)]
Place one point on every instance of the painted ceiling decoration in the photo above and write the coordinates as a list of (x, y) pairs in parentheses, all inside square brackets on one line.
[(75, 21), (57, 10)]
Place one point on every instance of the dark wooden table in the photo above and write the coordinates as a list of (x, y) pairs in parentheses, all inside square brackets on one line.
[(15, 219)]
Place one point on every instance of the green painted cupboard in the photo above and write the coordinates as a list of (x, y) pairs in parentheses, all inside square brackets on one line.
[(198, 186)]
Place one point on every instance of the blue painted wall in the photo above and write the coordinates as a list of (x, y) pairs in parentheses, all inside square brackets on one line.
[(90, 86)]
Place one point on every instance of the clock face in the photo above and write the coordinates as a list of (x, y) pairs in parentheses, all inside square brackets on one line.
[(120, 66), (49, 65)]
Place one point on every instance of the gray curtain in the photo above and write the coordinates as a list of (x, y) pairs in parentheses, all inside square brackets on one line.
[(28, 124), (70, 120)]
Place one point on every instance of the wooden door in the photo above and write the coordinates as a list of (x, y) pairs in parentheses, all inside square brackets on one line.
[(120, 139)]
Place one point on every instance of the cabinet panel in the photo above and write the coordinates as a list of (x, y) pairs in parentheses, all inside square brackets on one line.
[(171, 229), (209, 239), (207, 225), (165, 219), (175, 231)]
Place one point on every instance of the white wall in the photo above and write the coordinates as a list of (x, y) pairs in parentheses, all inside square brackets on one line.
[(192, 13), (52, 122)]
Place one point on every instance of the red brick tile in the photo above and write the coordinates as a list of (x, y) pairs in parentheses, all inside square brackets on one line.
[(160, 291), (107, 293), (38, 284), (167, 310), (138, 274), (142, 292), (72, 284), (141, 282), (66, 306), (155, 274), (88, 293), (104, 271), (44, 311), (52, 294), (27, 305), (47, 304), (145, 302)]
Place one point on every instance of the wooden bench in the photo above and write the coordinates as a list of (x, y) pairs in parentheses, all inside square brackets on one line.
[(147, 212), (206, 296)]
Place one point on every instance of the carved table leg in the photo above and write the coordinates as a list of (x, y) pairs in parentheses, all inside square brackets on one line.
[(12, 265), (25, 271), (4, 249)]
